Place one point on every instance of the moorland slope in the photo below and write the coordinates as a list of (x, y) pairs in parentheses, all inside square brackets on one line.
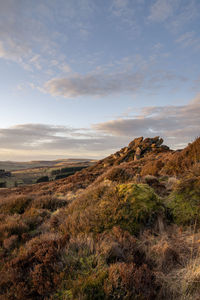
[(125, 228)]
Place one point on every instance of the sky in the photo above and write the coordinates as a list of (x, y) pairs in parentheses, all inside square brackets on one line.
[(82, 78)]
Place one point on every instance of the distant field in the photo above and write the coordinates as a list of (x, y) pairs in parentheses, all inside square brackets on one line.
[(24, 173)]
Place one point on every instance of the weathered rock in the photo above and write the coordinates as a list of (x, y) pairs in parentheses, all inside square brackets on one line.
[(136, 150), (135, 142), (159, 142), (155, 139), (164, 147), (148, 141), (125, 149), (137, 153), (153, 146), (116, 155)]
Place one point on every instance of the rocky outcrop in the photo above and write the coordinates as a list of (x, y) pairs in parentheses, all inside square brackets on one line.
[(136, 150)]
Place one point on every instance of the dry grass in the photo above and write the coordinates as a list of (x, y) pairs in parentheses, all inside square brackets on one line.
[(175, 257)]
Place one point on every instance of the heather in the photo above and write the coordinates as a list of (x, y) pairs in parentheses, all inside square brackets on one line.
[(125, 228)]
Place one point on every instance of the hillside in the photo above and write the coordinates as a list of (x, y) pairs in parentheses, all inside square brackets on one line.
[(24, 173), (126, 227)]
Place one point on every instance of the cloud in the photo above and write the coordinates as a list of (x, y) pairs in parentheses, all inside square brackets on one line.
[(104, 84), (29, 30), (11, 50), (189, 39), (174, 13), (177, 124), (93, 84), (161, 10), (55, 140)]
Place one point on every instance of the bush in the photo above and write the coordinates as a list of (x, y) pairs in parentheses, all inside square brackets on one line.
[(90, 287), (35, 273), (16, 205), (13, 226), (119, 175), (185, 201), (48, 202), (131, 206), (127, 281), (118, 245), (152, 168)]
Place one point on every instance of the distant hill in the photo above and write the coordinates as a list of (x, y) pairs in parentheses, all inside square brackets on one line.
[(25, 173), (14, 166), (125, 227)]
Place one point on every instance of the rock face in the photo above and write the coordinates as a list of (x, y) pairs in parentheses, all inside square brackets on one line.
[(136, 150)]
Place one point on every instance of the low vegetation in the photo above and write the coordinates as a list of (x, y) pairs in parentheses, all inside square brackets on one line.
[(124, 228)]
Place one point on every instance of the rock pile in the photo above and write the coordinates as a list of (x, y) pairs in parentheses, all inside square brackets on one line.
[(136, 150)]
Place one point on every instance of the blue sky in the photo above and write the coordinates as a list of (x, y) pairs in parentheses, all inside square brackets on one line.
[(82, 78)]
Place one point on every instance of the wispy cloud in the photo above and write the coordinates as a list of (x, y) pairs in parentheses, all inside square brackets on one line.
[(105, 84), (189, 39), (29, 33)]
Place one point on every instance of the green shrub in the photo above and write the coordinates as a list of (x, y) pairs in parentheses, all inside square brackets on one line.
[(184, 202), (92, 287), (131, 206)]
